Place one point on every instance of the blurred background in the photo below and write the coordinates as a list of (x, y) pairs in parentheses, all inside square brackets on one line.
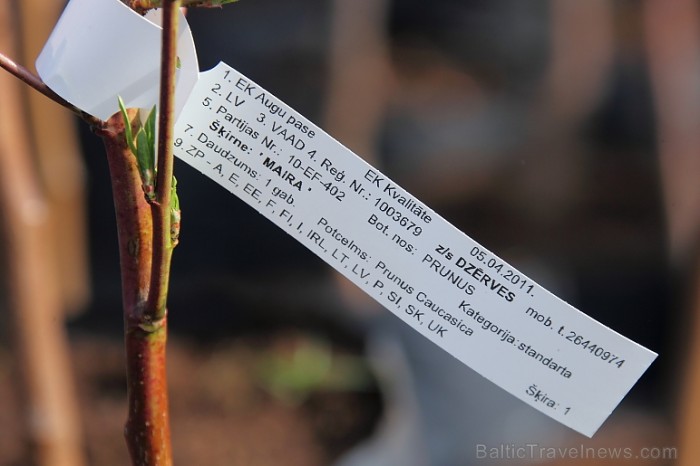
[(562, 135)]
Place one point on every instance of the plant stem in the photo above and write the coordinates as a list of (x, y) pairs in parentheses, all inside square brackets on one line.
[(162, 242), (145, 249), (34, 81), (145, 5), (147, 429)]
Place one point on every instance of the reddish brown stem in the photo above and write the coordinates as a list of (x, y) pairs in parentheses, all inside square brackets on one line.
[(147, 428), (144, 5), (162, 242), (145, 249), (35, 82)]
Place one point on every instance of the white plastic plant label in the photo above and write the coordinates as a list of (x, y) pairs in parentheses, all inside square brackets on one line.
[(435, 278), (101, 49), (439, 281)]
